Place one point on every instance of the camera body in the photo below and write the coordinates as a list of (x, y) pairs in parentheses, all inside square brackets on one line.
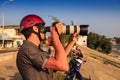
[(71, 29)]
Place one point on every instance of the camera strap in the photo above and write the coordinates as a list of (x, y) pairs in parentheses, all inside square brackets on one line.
[(56, 30), (53, 24), (57, 33)]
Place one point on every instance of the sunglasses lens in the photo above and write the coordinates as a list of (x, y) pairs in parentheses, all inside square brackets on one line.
[(42, 29)]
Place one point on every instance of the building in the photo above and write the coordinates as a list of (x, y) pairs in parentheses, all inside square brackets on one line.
[(82, 41), (11, 38)]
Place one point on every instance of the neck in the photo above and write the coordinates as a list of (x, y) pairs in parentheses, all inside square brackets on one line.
[(34, 39)]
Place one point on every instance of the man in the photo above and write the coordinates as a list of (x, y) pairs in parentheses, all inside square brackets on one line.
[(78, 53), (32, 62)]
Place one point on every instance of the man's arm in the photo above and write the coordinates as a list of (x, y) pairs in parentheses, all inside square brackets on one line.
[(72, 42), (59, 61)]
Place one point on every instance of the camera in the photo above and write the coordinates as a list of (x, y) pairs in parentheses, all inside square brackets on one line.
[(71, 29)]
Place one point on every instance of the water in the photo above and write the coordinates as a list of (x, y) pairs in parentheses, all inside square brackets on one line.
[(117, 47)]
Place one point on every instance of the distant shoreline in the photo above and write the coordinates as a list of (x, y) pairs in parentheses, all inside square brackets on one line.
[(116, 49)]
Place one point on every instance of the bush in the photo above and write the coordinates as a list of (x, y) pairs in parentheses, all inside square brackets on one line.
[(99, 43)]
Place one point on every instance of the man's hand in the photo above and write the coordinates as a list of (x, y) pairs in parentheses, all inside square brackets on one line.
[(75, 37), (58, 28)]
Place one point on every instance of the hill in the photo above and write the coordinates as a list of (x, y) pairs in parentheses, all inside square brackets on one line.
[(99, 66)]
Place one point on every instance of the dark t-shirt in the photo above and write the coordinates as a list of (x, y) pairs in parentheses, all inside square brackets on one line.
[(31, 61)]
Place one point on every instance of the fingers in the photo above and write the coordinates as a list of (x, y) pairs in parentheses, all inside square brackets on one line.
[(52, 30), (75, 37), (75, 34), (59, 26)]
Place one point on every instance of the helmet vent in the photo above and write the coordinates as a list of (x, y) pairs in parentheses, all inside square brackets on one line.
[(31, 22)]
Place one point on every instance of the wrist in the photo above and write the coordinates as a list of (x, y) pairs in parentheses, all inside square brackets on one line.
[(74, 40), (55, 37)]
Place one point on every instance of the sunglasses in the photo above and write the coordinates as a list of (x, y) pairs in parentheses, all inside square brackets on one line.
[(41, 27)]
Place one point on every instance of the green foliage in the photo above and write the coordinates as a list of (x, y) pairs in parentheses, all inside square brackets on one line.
[(55, 19), (106, 46), (65, 38), (99, 42)]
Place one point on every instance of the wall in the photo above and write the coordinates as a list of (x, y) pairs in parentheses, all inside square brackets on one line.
[(4, 57), (82, 40)]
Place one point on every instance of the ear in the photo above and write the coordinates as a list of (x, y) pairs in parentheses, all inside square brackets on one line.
[(35, 28)]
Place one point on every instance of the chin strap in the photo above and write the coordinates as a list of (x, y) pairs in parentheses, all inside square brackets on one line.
[(39, 34)]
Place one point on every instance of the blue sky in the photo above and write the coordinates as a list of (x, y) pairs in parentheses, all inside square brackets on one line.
[(103, 16)]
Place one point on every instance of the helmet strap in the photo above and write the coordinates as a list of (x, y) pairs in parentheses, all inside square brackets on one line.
[(39, 36)]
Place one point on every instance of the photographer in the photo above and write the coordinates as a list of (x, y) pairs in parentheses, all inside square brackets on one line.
[(32, 62)]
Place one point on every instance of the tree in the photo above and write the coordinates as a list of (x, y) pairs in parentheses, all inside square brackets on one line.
[(55, 19), (99, 42)]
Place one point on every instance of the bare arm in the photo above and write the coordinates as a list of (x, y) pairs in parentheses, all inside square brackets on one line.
[(72, 42), (59, 61)]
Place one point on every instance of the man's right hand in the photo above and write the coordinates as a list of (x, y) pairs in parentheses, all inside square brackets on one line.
[(59, 26)]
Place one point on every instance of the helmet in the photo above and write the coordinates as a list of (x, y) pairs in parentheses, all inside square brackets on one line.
[(29, 21)]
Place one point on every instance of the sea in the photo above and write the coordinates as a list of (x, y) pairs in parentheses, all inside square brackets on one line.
[(117, 51)]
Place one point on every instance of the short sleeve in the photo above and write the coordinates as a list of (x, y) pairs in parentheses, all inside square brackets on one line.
[(38, 58)]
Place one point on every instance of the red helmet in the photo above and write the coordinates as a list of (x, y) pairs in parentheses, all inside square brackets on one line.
[(29, 21)]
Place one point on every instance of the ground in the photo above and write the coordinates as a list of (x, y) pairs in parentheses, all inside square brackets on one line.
[(8, 70), (93, 68), (96, 69)]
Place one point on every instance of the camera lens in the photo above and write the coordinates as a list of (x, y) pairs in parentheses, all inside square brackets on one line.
[(68, 29), (83, 29)]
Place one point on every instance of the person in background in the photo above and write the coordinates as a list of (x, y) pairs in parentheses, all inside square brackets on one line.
[(32, 62), (75, 65)]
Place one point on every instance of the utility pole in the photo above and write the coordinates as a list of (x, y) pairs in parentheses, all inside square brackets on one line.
[(3, 23)]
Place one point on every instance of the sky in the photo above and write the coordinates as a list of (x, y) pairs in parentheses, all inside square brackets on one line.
[(102, 16)]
